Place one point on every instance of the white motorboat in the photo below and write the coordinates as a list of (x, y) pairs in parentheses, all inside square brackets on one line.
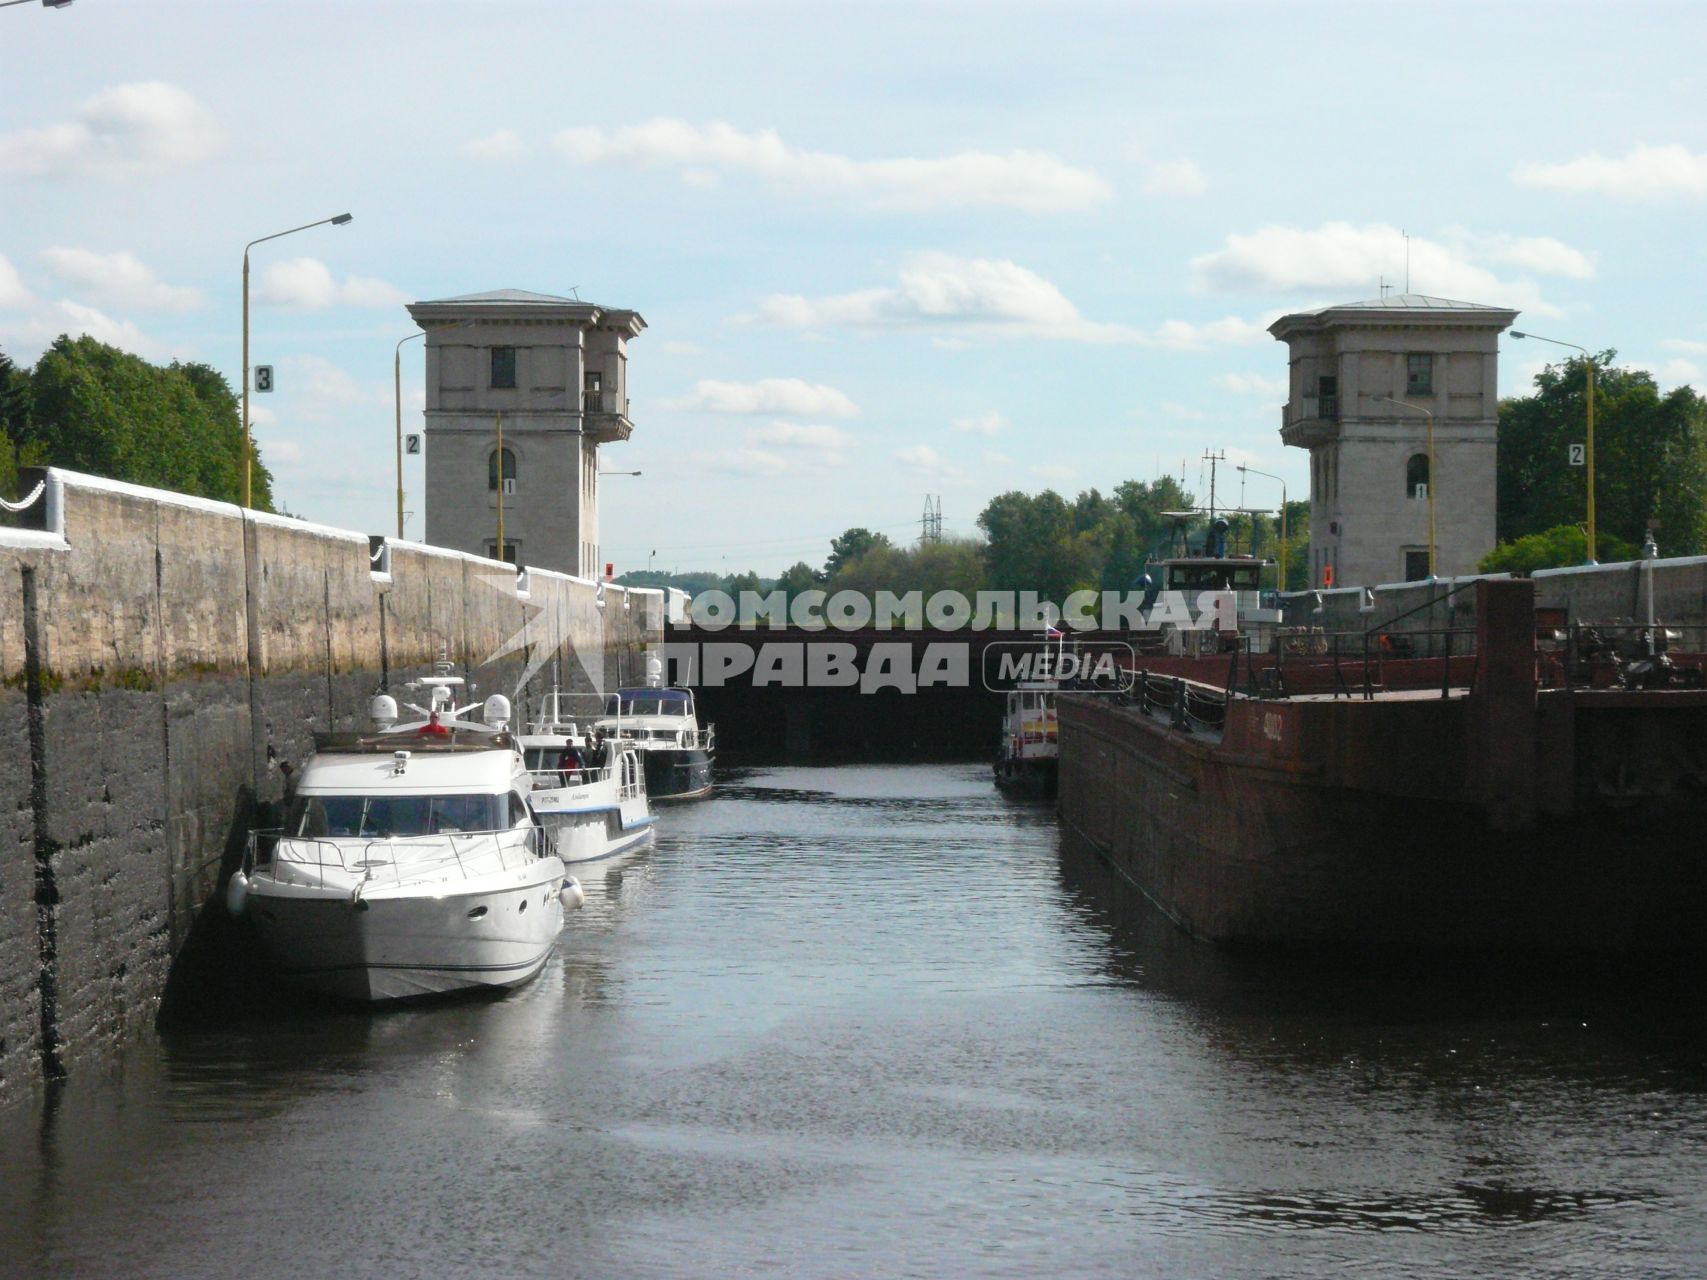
[(410, 862), (590, 798), (660, 724)]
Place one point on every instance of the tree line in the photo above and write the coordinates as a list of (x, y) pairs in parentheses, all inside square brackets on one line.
[(90, 407), (1650, 468)]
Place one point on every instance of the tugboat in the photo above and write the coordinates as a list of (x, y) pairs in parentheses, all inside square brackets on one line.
[(660, 725), (410, 862), (1026, 757)]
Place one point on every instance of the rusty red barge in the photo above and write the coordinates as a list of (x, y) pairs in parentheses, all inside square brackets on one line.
[(1503, 815)]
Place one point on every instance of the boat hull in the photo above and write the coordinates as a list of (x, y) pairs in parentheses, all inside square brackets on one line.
[(1323, 848), (391, 944), (677, 773), (1032, 779)]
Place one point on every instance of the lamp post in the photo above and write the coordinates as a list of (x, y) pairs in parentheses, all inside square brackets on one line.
[(1281, 585), (1432, 483), (1588, 444), (337, 220), (397, 389)]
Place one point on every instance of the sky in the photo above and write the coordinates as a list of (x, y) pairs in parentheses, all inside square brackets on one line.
[(882, 251)]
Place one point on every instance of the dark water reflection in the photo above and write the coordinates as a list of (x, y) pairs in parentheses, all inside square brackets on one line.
[(880, 1021)]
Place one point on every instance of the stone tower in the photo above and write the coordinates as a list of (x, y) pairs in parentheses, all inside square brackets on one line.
[(1371, 483), (550, 375)]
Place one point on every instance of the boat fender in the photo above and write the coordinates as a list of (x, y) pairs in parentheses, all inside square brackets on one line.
[(236, 894), (571, 894)]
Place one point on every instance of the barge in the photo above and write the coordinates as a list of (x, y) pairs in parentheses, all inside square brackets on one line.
[(1448, 804)]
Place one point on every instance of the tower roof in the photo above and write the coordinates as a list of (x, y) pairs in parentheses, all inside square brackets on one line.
[(519, 304), (1394, 309)]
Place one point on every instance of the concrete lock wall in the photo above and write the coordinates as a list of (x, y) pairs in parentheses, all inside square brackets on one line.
[(160, 658)]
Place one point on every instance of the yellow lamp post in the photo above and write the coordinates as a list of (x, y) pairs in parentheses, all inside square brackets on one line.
[(248, 448), (1433, 480), (1588, 444)]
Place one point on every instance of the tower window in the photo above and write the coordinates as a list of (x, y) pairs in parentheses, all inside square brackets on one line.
[(1328, 396), (1419, 375), (509, 470), (1416, 476), (503, 367)]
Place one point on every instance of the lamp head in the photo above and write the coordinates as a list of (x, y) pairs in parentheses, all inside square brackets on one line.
[(1516, 334), (342, 218)]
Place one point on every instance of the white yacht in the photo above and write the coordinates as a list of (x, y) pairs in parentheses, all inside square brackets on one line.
[(660, 724), (410, 862), (590, 798)]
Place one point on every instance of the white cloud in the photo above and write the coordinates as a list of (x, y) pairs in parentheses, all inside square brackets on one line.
[(118, 279), (1027, 180), (75, 319), (682, 348), (1053, 471), (800, 435), (744, 462), (126, 131), (1678, 372), (1541, 254), (504, 145), (920, 455), (1174, 178), (1685, 344), (1253, 384), (12, 291), (314, 389), (1339, 257), (984, 424), (768, 395), (1642, 173), (307, 284), (983, 296)]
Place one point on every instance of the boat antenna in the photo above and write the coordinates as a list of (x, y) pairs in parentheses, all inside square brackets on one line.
[(1407, 236)]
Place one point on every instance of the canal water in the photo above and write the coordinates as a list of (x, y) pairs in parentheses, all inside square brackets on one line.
[(880, 1021)]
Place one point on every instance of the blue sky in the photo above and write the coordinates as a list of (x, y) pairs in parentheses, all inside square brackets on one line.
[(883, 251)]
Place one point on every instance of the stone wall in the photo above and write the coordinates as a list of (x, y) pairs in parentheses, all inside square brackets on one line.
[(160, 658)]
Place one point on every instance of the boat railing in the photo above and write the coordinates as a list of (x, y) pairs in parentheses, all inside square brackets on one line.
[(1185, 702), (556, 779), (408, 856), (667, 739)]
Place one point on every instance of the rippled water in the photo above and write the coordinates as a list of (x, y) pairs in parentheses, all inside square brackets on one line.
[(880, 1021)]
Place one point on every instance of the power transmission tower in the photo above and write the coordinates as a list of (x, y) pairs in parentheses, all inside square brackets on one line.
[(930, 524)]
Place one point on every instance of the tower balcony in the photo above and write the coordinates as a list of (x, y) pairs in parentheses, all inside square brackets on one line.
[(1318, 424), (604, 417)]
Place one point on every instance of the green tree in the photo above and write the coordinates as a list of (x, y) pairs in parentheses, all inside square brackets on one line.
[(1555, 548), (798, 577), (1650, 457), (98, 409), (851, 545)]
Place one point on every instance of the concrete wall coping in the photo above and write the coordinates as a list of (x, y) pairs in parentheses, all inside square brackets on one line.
[(1660, 562)]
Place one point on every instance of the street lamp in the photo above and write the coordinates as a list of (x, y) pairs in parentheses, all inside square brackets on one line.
[(1588, 448), (248, 448), (1281, 585), (619, 473), (1433, 480)]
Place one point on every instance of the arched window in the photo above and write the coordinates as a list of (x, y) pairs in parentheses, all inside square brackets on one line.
[(492, 468), (1416, 474)]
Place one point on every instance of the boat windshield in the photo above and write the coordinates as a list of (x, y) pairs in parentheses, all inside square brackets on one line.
[(376, 817), (1220, 576), (649, 702)]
